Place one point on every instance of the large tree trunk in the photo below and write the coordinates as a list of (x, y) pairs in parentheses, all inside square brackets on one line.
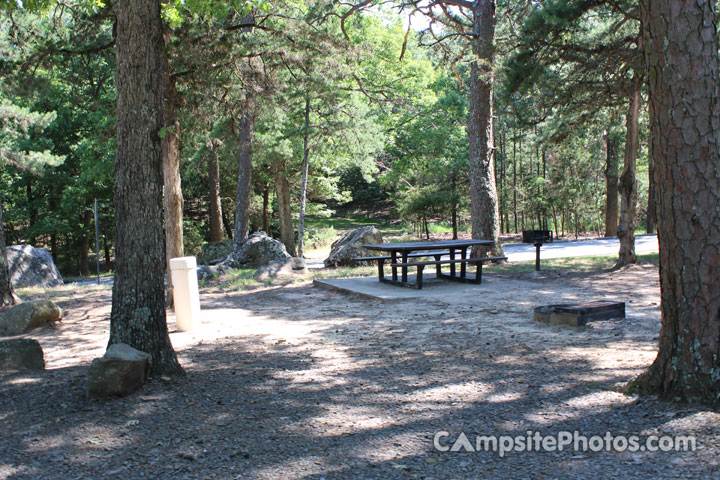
[(282, 193), (7, 293), (246, 128), (628, 181), (303, 184), (483, 194), (173, 199), (215, 207), (611, 184), (685, 131), (138, 301), (651, 219)]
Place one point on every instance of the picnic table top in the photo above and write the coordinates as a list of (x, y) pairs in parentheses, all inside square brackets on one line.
[(436, 245)]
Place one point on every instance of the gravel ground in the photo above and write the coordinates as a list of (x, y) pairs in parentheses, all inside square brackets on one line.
[(296, 382)]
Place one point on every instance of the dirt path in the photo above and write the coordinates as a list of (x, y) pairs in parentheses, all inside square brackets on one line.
[(300, 383)]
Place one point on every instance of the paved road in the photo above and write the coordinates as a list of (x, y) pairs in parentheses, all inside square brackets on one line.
[(521, 252)]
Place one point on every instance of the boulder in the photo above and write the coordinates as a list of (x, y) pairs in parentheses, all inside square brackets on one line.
[(208, 272), (257, 251), (213, 253), (28, 316), (21, 354), (120, 372), (31, 267), (281, 268), (349, 246)]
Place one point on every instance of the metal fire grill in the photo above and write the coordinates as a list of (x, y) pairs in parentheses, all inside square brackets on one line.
[(537, 238)]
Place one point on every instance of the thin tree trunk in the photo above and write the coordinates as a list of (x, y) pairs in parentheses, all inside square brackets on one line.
[(7, 293), (32, 210), (85, 244), (53, 246), (611, 182), (454, 206), (515, 212), (173, 198), (483, 193), (246, 129), (685, 146), (282, 192), (106, 248), (138, 300), (266, 208), (628, 182), (214, 205), (227, 223), (303, 184)]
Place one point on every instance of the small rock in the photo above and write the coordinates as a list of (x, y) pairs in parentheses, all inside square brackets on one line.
[(28, 316), (281, 268), (120, 372), (21, 354)]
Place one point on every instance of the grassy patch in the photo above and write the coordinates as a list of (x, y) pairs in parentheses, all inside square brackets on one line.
[(236, 279), (344, 272), (60, 293), (575, 264)]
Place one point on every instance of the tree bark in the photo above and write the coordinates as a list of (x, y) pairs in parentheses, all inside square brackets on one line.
[(138, 300), (305, 171), (628, 181), (246, 128), (651, 219), (282, 192), (7, 293), (173, 198), (611, 184), (685, 131), (215, 207), (483, 194)]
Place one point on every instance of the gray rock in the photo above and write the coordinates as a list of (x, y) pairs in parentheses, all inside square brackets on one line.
[(349, 246), (281, 268), (213, 253), (120, 372), (28, 316), (257, 251), (21, 354), (31, 267), (208, 272)]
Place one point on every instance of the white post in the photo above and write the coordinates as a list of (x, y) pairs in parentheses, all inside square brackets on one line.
[(185, 292)]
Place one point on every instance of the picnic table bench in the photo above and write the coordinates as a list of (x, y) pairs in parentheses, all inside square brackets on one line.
[(399, 253)]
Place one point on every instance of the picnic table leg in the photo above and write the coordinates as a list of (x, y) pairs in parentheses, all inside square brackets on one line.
[(438, 268), (452, 265), (394, 269), (381, 269), (404, 269), (463, 255), (419, 282), (478, 272)]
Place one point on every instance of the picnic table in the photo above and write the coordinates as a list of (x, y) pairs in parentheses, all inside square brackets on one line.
[(399, 255)]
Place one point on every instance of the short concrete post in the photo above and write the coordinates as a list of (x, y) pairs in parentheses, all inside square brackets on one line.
[(185, 292)]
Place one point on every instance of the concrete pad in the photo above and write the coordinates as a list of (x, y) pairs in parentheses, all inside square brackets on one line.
[(433, 288)]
